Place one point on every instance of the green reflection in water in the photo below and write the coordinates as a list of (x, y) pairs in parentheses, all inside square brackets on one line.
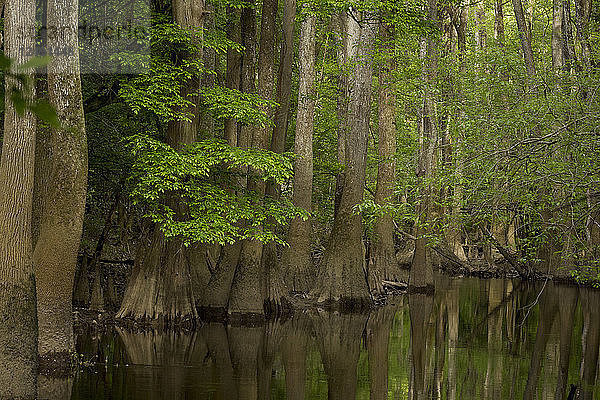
[(474, 339)]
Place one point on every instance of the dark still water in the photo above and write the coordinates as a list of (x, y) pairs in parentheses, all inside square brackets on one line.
[(475, 339)]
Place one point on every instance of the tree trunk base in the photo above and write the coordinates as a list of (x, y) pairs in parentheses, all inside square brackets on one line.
[(342, 284), (160, 289), (217, 291), (18, 341)]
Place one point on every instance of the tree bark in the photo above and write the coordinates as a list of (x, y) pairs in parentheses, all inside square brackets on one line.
[(97, 296), (55, 388), (282, 97), (499, 22), (481, 33), (296, 258), (160, 287), (218, 291), (43, 163), (421, 271), (234, 68), (582, 19), (349, 33), (382, 257), (81, 295), (525, 36), (558, 59), (454, 231), (284, 80), (18, 323), (252, 285), (55, 254), (343, 268)]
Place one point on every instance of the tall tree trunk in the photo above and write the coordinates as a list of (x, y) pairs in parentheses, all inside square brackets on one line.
[(81, 294), (525, 35), (343, 268), (296, 258), (234, 67), (481, 33), (251, 283), (421, 271), (284, 80), (568, 32), (55, 254), (160, 287), (558, 59), (216, 293), (454, 231), (499, 22), (43, 162), (583, 10), (349, 34), (282, 97), (206, 123), (382, 257), (18, 323)]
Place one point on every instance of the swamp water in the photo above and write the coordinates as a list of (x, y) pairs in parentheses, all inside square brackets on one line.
[(474, 339)]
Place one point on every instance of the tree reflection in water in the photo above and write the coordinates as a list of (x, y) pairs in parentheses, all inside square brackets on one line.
[(473, 339)]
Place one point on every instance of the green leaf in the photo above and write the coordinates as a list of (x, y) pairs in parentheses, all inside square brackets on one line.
[(34, 62), (44, 111), (19, 102)]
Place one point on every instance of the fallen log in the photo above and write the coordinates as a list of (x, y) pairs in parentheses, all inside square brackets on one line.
[(520, 268)]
